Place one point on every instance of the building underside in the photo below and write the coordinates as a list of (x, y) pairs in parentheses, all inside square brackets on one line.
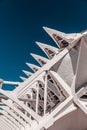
[(54, 96)]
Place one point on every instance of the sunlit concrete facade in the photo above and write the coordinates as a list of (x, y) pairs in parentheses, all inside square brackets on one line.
[(54, 96)]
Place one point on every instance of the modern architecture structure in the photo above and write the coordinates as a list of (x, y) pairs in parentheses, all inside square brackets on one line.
[(54, 97)]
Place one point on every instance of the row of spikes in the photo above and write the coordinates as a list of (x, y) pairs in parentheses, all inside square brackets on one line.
[(61, 39)]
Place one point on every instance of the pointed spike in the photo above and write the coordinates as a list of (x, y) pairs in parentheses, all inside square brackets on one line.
[(68, 36), (51, 31), (41, 60), (42, 45), (33, 67), (23, 78), (59, 37), (48, 49), (27, 73), (38, 56)]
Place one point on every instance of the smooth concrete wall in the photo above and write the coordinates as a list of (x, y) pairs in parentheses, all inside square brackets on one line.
[(67, 67), (76, 120)]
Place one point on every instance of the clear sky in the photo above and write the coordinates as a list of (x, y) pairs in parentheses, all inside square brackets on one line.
[(21, 24)]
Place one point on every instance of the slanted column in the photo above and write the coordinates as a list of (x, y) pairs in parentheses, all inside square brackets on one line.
[(37, 98), (45, 94)]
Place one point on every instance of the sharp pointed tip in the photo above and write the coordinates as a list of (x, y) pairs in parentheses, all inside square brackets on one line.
[(45, 28), (31, 54), (48, 30), (37, 42), (23, 70), (27, 63), (23, 78)]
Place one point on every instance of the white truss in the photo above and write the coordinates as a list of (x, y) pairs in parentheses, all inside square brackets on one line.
[(54, 97)]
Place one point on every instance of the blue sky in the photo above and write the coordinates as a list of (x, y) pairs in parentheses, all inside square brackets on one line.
[(21, 24)]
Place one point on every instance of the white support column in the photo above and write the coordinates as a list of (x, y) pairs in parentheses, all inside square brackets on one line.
[(37, 98), (31, 97), (45, 94)]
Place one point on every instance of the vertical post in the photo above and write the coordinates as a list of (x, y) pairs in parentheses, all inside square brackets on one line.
[(31, 97), (37, 98), (26, 105), (45, 94)]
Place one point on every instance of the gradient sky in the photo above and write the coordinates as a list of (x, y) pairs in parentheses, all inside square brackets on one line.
[(21, 24)]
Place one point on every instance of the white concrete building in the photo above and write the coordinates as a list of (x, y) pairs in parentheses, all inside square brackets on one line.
[(54, 97)]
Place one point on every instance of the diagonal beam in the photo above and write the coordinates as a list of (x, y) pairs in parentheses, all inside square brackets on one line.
[(14, 98)]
